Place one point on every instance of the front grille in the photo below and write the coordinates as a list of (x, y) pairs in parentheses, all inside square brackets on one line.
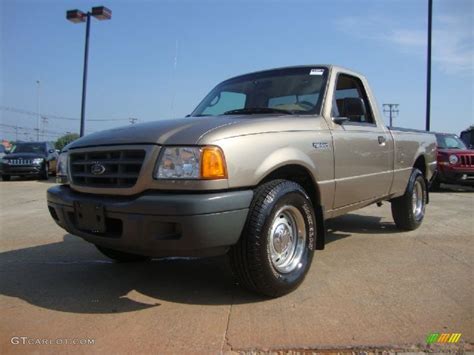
[(467, 160), (20, 162), (112, 168)]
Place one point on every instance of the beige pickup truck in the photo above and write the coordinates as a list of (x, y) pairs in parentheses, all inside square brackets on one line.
[(254, 172)]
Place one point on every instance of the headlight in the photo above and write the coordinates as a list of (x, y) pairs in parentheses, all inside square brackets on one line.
[(62, 169), (38, 161), (453, 159), (191, 163)]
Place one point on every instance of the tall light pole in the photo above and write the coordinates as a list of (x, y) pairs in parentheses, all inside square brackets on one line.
[(77, 16), (38, 107), (428, 71)]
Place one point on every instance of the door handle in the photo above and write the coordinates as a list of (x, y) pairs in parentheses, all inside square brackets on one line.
[(382, 140)]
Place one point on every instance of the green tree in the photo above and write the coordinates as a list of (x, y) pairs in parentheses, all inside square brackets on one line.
[(65, 140)]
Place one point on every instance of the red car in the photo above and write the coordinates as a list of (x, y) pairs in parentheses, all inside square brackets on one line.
[(455, 161)]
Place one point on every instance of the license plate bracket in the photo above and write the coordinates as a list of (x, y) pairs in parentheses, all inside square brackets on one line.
[(90, 216)]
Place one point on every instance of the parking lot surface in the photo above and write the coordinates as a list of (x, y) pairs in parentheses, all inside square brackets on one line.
[(372, 287)]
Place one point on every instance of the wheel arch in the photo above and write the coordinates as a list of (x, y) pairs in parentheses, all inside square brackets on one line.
[(420, 164), (301, 175)]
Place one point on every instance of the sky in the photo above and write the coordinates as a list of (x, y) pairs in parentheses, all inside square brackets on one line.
[(157, 59)]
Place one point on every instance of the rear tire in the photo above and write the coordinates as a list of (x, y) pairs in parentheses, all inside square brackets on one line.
[(276, 248), (6, 177), (120, 256), (408, 210)]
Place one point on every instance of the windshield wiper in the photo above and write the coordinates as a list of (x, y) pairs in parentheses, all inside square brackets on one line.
[(257, 110)]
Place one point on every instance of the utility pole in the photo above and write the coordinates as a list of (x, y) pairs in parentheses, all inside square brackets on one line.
[(391, 110), (133, 120), (38, 110), (428, 74)]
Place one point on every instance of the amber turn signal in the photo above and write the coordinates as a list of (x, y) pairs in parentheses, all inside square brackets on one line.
[(213, 164)]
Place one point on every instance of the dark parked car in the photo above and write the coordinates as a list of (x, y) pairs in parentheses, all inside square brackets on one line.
[(467, 137), (455, 161), (30, 159)]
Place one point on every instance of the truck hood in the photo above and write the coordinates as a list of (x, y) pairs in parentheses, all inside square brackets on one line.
[(192, 130), (172, 131), (24, 156), (456, 151)]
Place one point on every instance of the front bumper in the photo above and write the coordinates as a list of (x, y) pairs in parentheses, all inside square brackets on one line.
[(15, 170), (460, 176), (159, 224)]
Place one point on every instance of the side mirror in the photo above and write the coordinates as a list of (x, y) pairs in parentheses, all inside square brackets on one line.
[(340, 120), (353, 107)]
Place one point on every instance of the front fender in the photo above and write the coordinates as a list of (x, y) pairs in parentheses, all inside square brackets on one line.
[(281, 157)]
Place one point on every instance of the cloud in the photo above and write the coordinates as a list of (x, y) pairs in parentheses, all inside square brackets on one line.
[(453, 39)]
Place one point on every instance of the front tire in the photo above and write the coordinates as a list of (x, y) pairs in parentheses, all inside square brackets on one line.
[(408, 210), (120, 256), (44, 175), (276, 248), (435, 184)]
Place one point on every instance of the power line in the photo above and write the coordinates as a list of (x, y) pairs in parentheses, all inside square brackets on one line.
[(28, 128), (55, 117), (29, 132)]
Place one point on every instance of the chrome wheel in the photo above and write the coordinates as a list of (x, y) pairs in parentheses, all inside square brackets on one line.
[(418, 201), (287, 239)]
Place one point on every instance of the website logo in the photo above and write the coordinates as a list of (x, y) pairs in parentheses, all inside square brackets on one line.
[(443, 338)]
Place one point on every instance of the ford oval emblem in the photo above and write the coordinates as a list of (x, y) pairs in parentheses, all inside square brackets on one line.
[(97, 169)]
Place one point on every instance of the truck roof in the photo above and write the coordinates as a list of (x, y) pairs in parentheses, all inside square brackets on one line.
[(331, 67)]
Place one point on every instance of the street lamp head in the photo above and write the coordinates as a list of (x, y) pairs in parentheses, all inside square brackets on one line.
[(75, 16), (101, 13)]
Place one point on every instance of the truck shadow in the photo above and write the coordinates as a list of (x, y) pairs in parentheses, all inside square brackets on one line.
[(72, 276), (445, 188), (345, 226)]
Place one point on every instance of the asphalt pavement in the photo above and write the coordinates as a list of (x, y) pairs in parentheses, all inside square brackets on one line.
[(373, 287)]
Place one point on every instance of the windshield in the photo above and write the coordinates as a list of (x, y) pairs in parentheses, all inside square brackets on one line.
[(450, 142), (38, 148), (280, 91)]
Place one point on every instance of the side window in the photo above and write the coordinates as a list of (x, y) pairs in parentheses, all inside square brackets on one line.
[(225, 101), (349, 86)]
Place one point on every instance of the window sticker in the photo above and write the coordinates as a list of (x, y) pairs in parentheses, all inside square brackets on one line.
[(316, 72)]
